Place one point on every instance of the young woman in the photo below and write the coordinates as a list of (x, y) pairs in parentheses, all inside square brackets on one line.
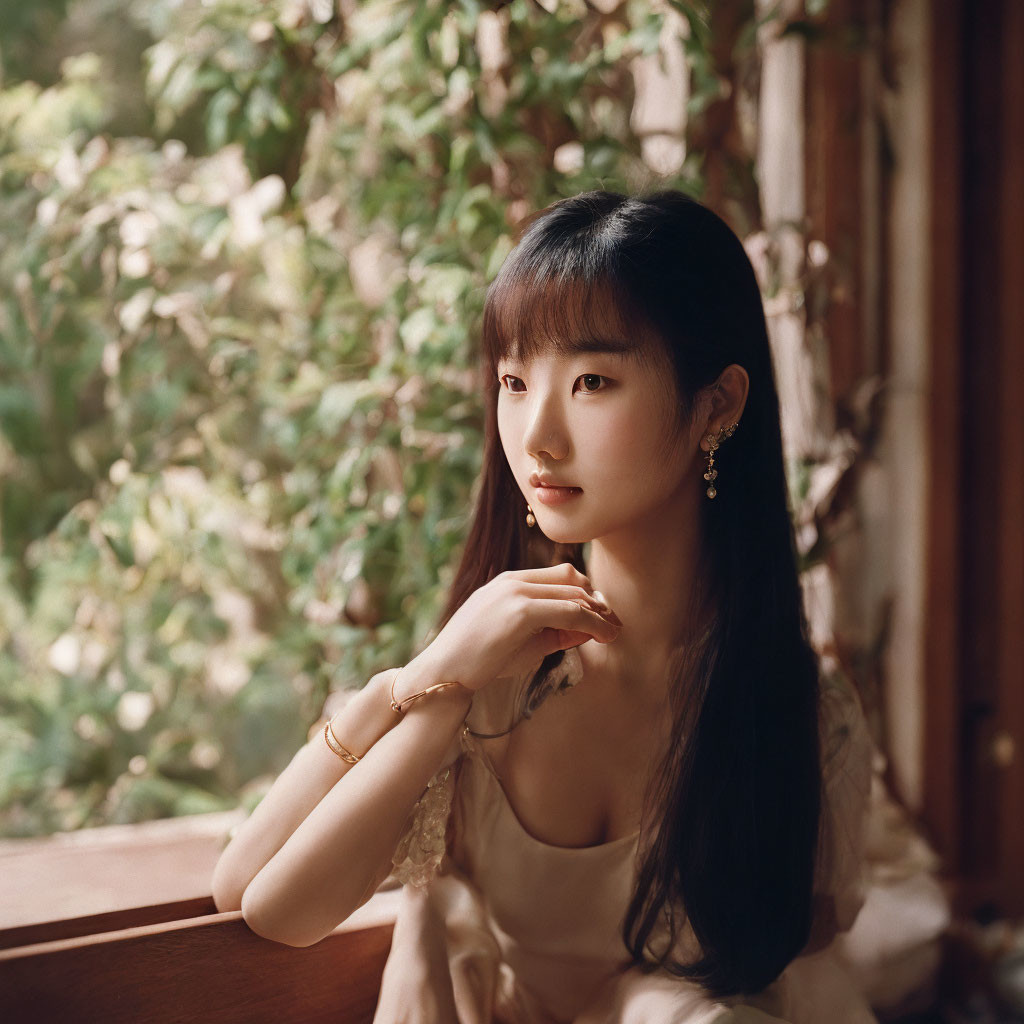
[(676, 836)]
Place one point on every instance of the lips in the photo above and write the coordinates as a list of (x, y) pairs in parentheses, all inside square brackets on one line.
[(556, 495), (544, 481)]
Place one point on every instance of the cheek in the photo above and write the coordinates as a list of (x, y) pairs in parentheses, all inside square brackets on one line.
[(505, 430), (635, 433), (623, 434), (633, 448), (510, 435)]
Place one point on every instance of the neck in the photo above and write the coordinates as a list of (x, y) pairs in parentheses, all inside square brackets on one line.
[(646, 573)]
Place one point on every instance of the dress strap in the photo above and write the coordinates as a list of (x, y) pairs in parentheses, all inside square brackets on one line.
[(523, 696)]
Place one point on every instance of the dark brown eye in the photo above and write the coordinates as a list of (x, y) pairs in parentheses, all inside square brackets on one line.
[(591, 382), (587, 378)]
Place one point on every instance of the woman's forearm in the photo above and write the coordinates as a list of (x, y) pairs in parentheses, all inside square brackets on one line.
[(309, 777), (323, 869)]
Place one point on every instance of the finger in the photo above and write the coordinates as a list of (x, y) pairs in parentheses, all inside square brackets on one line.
[(550, 640), (594, 599), (570, 593), (567, 614), (569, 638), (564, 573)]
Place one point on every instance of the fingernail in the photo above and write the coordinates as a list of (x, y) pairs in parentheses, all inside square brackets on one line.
[(614, 617), (599, 597)]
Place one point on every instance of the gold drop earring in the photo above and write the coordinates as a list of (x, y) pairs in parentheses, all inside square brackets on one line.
[(531, 519), (711, 474)]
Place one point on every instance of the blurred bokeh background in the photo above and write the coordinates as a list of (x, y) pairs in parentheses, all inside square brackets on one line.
[(244, 248)]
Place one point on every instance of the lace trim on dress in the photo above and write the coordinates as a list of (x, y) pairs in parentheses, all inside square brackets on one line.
[(420, 851), (847, 752)]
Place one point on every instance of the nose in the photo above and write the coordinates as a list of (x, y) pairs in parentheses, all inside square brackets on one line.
[(545, 431)]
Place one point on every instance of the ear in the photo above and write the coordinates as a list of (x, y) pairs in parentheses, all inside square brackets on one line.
[(728, 399)]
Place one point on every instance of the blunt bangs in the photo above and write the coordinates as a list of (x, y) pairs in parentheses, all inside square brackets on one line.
[(533, 310)]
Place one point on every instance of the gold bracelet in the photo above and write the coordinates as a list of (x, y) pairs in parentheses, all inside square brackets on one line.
[(397, 705), (337, 747)]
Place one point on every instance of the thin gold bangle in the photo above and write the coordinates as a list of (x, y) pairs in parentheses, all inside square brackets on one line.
[(397, 705), (337, 747)]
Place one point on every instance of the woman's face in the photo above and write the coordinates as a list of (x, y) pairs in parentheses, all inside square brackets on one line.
[(598, 421)]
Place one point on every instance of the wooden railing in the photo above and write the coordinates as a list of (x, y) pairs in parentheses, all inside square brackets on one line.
[(117, 925)]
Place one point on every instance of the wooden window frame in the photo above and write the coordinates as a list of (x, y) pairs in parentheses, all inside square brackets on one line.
[(117, 924)]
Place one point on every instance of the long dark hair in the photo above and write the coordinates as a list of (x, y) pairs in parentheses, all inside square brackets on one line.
[(730, 828)]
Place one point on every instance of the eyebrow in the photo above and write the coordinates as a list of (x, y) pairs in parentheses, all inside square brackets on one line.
[(593, 346), (611, 346)]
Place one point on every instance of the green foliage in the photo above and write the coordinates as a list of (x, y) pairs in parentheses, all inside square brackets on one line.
[(247, 69), (239, 422), (26, 29)]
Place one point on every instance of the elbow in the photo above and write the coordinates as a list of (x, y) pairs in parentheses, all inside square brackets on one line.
[(226, 890), (262, 921)]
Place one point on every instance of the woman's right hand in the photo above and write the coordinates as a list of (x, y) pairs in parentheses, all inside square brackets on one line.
[(507, 626)]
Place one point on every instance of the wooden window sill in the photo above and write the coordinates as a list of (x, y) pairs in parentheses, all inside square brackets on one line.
[(117, 924)]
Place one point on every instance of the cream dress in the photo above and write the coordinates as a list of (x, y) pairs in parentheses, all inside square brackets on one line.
[(524, 932)]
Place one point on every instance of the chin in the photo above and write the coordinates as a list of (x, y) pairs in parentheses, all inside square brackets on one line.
[(565, 535)]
